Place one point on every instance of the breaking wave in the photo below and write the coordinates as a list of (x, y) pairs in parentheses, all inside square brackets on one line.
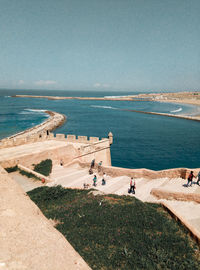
[(103, 107), (117, 96), (34, 111), (178, 110)]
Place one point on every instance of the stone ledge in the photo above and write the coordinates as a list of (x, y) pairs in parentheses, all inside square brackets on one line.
[(195, 233), (179, 196)]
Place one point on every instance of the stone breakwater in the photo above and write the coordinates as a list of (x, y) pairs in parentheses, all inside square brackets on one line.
[(194, 118), (80, 98), (55, 120)]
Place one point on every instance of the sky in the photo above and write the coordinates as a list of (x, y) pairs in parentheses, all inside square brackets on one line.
[(136, 45)]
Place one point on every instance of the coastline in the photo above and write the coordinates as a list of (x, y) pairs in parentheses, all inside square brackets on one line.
[(54, 121), (189, 98)]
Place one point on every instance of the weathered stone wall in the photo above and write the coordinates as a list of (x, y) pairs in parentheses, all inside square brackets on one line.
[(66, 153), (81, 148), (179, 196), (28, 239), (145, 173)]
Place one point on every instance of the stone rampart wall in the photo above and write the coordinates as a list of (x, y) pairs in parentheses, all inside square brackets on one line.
[(144, 173), (12, 141)]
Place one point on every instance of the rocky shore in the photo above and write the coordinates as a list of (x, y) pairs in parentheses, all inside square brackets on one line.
[(54, 121)]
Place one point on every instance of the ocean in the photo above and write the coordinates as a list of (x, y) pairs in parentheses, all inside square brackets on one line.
[(140, 140)]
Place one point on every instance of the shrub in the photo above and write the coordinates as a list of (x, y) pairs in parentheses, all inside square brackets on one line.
[(27, 174), (44, 167), (11, 169)]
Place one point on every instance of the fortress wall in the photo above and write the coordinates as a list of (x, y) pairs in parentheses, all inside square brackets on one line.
[(10, 142), (100, 151), (28, 239), (66, 153), (150, 174), (144, 173)]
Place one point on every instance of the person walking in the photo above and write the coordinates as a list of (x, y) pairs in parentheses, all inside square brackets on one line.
[(99, 166), (92, 164), (132, 186), (95, 181), (104, 179), (198, 178), (190, 177)]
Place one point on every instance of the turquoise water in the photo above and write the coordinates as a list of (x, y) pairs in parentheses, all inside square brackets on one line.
[(140, 140)]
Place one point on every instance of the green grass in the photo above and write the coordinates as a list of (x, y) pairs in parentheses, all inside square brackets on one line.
[(11, 169), (118, 232), (27, 174), (44, 167)]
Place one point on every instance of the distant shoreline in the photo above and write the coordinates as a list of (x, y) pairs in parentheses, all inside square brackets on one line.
[(191, 98)]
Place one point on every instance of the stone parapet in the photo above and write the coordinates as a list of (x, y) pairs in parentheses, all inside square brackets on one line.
[(39, 175), (10, 142), (171, 195)]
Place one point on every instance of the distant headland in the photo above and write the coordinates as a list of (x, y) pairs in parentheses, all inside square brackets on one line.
[(178, 97), (192, 98)]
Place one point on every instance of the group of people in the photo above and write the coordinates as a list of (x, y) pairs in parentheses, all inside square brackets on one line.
[(190, 178), (103, 181)]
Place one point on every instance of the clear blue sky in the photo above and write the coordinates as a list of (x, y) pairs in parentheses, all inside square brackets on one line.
[(137, 45)]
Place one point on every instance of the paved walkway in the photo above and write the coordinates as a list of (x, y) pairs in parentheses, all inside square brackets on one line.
[(26, 183), (31, 148), (75, 177)]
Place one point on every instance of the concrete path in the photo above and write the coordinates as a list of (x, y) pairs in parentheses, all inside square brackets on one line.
[(30, 148), (26, 183), (75, 177)]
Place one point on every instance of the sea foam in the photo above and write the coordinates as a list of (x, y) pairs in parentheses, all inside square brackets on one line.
[(103, 107), (178, 110)]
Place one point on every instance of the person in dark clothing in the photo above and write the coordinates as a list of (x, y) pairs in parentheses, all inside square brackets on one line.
[(95, 181), (92, 164), (190, 177), (198, 180), (104, 179), (132, 186)]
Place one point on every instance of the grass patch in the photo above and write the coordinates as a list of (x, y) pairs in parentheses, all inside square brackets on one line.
[(11, 169), (118, 232), (27, 174), (44, 167)]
